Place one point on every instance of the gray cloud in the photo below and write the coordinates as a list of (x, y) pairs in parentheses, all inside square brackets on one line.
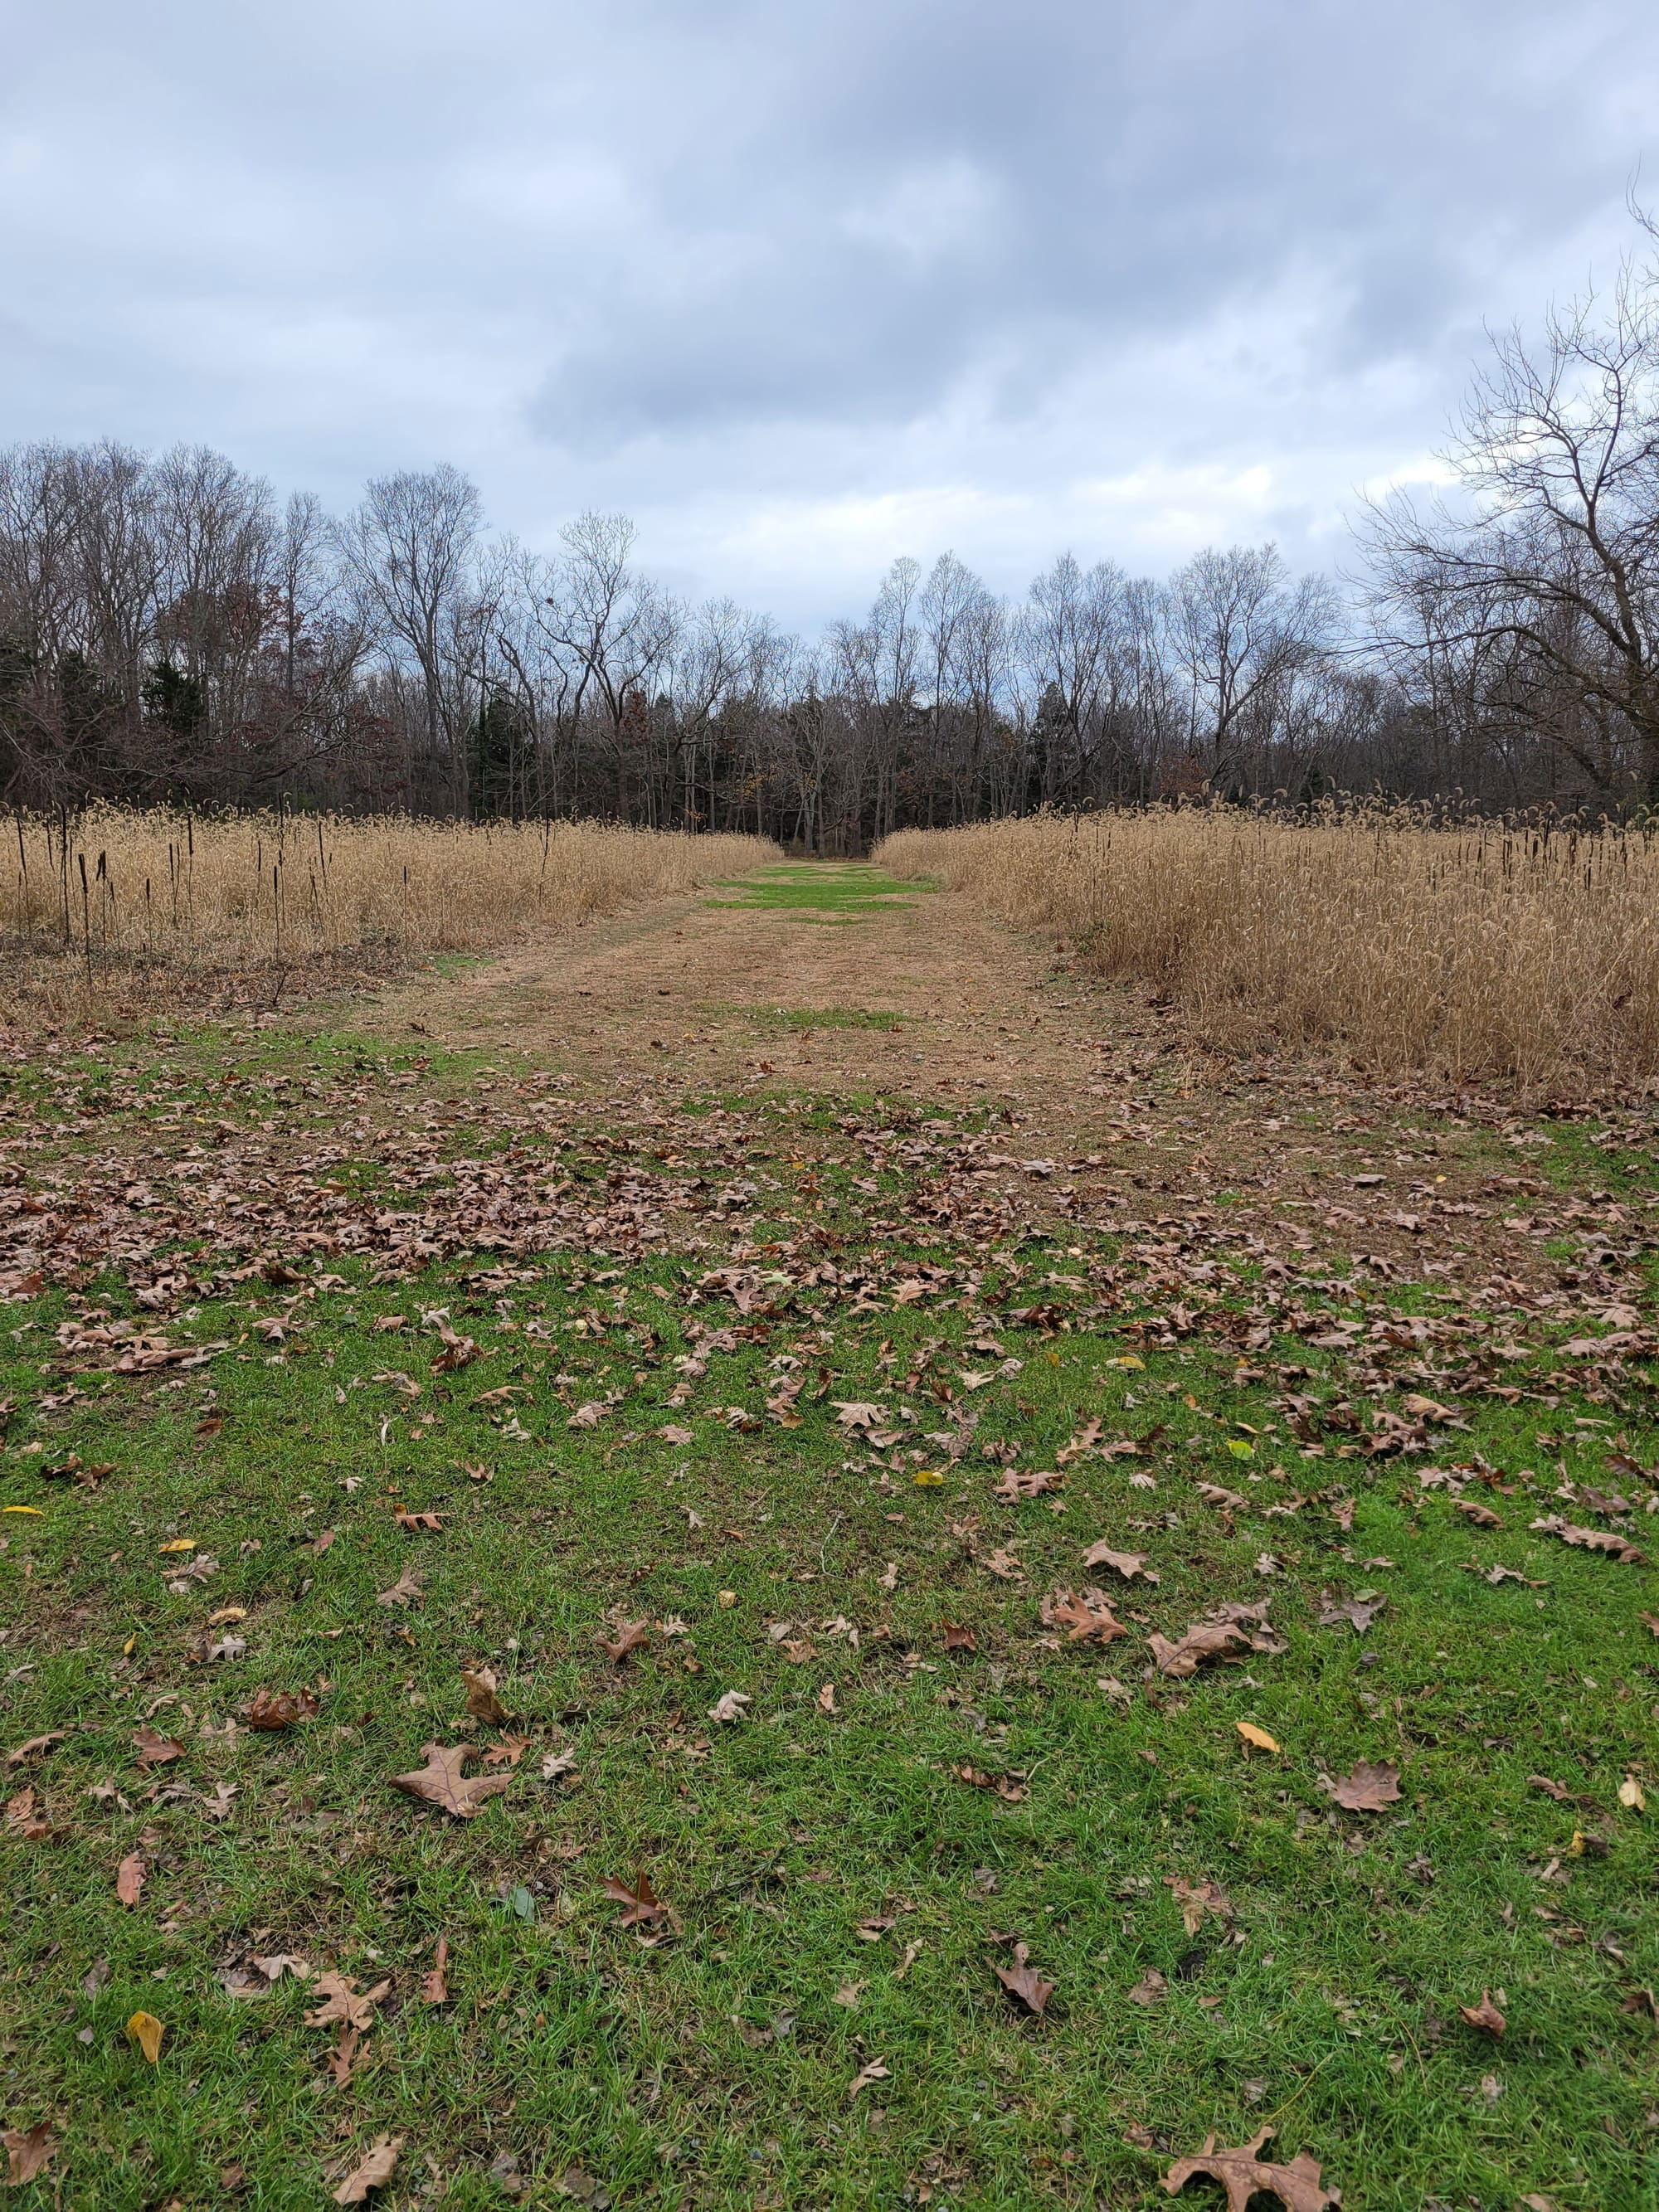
[(802, 286)]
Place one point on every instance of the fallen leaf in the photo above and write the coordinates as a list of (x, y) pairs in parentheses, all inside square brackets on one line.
[(848, 1995), (1485, 2015), (1152, 1989), (156, 1750), (876, 2070), (826, 1699), (36, 1746), (1559, 1790), (270, 1709), (1252, 1735), (1022, 1981), (1196, 1898), (147, 2032), (404, 1591), (644, 1907), (629, 1638), (1205, 1639), (1009, 1787), (435, 1984), (1372, 1786), (1590, 1539), (730, 1707), (1241, 2174), (1087, 1618), (129, 1877), (1126, 1564), (482, 1701), (1630, 1795), (342, 2001), (375, 2171), (956, 1638), (440, 1782), (27, 2151), (1019, 1483), (24, 1813), (1358, 1615), (1482, 1516), (281, 1963), (343, 2058)]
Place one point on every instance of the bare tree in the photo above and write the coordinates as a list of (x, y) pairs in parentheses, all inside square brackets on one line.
[(1553, 542), (410, 551), (1240, 628)]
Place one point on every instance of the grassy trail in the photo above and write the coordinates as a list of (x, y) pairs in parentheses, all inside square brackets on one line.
[(709, 1433)]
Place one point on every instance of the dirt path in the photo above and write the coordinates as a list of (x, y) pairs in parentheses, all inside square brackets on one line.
[(921, 993), (711, 993)]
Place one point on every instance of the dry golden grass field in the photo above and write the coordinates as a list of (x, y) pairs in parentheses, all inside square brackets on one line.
[(141, 909), (1481, 954)]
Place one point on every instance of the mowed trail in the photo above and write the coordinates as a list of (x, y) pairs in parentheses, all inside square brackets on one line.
[(701, 990)]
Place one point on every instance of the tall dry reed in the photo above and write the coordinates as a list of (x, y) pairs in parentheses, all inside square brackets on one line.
[(144, 906), (1473, 955)]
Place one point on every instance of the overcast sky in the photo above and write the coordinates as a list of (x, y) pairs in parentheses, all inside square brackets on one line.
[(804, 284)]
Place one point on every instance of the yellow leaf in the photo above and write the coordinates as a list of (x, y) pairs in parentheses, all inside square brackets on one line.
[(226, 1612), (147, 2032), (1127, 1359), (725, 1599), (1252, 1734), (180, 1544), (1239, 1448), (127, 1647), (925, 1479), (1576, 1848), (39, 1511), (1629, 1793)]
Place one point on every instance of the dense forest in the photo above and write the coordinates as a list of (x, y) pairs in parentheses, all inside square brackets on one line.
[(169, 630)]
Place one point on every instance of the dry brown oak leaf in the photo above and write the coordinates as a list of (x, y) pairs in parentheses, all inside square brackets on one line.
[(631, 1636), (1373, 1785), (481, 1702), (1485, 2015), (27, 2150), (644, 1906), (1085, 1619), (1591, 1539), (1126, 1564), (279, 1709), (440, 1782), (374, 2173), (1231, 1631), (1022, 1980), (1243, 2174), (344, 2001)]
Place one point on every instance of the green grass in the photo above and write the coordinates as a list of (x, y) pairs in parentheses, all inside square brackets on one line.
[(825, 1018), (820, 890), (713, 2068)]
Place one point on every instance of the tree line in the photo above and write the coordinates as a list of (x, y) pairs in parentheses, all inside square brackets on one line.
[(170, 631)]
